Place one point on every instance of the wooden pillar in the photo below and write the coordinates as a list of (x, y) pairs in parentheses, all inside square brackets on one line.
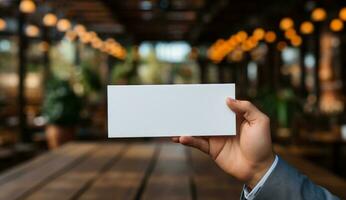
[(317, 49), (77, 58), (46, 53), (22, 44), (203, 70), (277, 69), (343, 64), (244, 76), (270, 63), (262, 76), (233, 75), (303, 51), (110, 65), (221, 72)]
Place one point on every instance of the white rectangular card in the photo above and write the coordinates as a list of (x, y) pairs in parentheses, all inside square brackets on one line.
[(170, 110)]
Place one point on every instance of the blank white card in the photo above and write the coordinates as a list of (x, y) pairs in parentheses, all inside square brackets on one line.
[(170, 110)]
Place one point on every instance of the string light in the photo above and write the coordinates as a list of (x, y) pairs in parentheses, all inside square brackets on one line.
[(96, 42), (85, 37), (232, 41), (253, 41), (63, 25), (306, 28), (336, 25), (27, 6), (296, 41), (318, 14), (342, 14), (290, 33), (32, 31), (79, 29), (270, 37), (70, 35), (109, 46), (241, 36), (286, 23), (3, 24), (259, 33), (93, 36), (50, 19)]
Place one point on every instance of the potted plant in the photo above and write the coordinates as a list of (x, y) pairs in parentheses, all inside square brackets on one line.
[(61, 108)]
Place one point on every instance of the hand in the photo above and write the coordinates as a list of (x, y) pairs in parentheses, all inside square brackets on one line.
[(248, 155)]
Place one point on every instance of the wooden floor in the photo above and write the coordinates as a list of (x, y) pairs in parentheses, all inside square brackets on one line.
[(131, 171)]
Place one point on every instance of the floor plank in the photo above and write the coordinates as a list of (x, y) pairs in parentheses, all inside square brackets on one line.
[(27, 182), (210, 182), (123, 180), (170, 177), (68, 185), (32, 164)]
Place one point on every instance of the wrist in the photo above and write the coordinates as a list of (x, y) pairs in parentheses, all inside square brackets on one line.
[(259, 171)]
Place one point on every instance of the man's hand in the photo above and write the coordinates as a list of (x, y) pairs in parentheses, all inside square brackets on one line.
[(246, 156)]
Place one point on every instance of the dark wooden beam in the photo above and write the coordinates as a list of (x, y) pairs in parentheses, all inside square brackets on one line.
[(46, 58), (203, 70), (77, 57), (205, 16), (22, 43), (343, 64), (317, 52), (112, 5), (303, 52)]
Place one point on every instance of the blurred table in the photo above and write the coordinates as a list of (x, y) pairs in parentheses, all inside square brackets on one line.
[(152, 170)]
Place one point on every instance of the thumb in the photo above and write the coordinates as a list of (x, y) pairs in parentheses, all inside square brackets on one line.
[(245, 109)]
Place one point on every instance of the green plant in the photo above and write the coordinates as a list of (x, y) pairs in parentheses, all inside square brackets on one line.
[(90, 79), (61, 105), (281, 107), (125, 72)]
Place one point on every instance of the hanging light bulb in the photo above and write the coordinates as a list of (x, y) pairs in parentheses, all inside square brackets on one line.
[(286, 23), (290, 33), (270, 37), (240, 36), (50, 19), (259, 33), (318, 14), (93, 36), (63, 25), (70, 35), (97, 43), (79, 29), (342, 14), (32, 31), (296, 41), (27, 6), (3, 24), (336, 25), (306, 28), (85, 37)]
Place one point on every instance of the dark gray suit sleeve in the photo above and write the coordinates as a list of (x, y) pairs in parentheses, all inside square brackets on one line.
[(286, 183)]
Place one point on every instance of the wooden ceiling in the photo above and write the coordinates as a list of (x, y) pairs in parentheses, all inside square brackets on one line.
[(193, 20)]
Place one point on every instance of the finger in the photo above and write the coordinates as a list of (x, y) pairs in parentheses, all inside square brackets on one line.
[(175, 139), (245, 109), (197, 142)]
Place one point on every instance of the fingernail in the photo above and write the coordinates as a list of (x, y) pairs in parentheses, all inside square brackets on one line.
[(230, 99)]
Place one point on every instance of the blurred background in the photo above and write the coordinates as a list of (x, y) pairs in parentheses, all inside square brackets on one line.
[(57, 57)]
